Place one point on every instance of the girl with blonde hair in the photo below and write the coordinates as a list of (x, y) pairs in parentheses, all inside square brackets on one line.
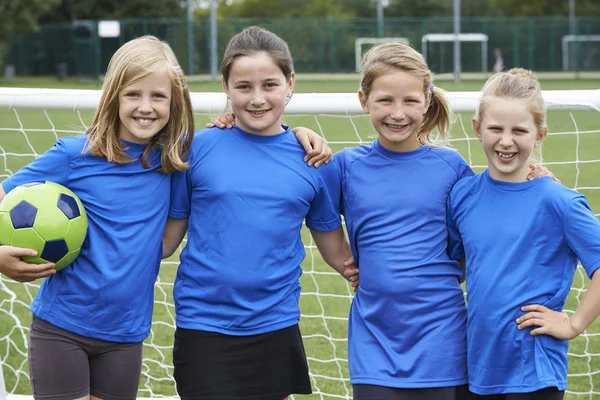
[(522, 259), (90, 319)]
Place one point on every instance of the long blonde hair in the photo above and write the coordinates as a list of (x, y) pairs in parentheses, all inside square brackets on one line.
[(135, 60), (389, 57)]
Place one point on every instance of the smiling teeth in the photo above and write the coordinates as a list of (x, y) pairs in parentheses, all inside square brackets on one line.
[(396, 126), (506, 155), (144, 120), (258, 112)]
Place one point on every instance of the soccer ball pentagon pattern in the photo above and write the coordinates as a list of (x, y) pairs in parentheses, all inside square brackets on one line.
[(46, 217)]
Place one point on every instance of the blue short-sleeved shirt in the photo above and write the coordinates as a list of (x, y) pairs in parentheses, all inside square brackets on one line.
[(407, 324), (246, 197), (108, 291), (521, 242)]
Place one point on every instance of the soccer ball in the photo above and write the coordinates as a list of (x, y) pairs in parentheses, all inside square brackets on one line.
[(46, 217)]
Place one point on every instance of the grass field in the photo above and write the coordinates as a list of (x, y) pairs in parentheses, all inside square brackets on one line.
[(326, 297)]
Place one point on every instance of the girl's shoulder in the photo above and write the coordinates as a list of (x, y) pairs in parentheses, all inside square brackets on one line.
[(73, 146), (348, 155), (448, 154), (454, 160)]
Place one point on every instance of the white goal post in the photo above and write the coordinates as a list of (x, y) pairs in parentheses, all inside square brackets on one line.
[(360, 42), (463, 37), (567, 40), (32, 119), (214, 103)]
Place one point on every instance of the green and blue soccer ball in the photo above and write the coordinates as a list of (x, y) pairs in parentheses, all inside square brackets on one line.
[(46, 217)]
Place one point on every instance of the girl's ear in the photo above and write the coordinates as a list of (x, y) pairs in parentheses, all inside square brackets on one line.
[(225, 88), (428, 98), (291, 82), (541, 135), (363, 101), (476, 127)]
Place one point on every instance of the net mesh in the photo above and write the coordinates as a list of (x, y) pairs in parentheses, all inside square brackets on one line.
[(570, 151)]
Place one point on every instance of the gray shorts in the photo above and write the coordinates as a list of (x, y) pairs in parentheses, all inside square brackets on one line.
[(64, 365)]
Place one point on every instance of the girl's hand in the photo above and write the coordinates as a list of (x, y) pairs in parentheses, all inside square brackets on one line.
[(12, 266), (547, 321), (538, 171), (317, 149), (351, 273), (226, 120)]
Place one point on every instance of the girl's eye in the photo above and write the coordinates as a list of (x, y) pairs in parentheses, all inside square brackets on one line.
[(384, 100), (131, 94), (271, 85)]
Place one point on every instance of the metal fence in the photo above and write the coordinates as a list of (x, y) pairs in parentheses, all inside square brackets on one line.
[(319, 45)]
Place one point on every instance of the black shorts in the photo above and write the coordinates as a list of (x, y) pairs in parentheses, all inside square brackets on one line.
[(374, 392), (214, 366), (550, 393), (64, 365)]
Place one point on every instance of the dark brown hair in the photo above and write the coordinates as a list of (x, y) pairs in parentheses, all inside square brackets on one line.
[(257, 40)]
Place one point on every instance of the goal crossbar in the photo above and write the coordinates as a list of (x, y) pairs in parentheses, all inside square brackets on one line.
[(301, 103)]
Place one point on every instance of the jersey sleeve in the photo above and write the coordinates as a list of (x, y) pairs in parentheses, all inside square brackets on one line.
[(463, 169), (456, 249), (324, 212), (51, 166), (582, 232), (181, 194)]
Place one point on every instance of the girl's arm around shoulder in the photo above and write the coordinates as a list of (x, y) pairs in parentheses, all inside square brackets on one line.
[(335, 250), (175, 230), (316, 147)]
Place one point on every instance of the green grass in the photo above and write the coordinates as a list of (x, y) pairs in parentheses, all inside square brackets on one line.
[(323, 323)]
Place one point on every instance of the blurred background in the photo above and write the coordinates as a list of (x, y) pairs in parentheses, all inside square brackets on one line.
[(75, 38)]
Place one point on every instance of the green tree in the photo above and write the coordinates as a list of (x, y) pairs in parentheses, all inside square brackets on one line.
[(545, 8), (400, 8), (284, 8), (70, 10), (22, 15)]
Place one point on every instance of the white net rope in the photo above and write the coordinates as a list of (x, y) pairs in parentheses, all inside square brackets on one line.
[(31, 120)]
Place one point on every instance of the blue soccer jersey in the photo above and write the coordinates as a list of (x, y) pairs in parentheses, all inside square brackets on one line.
[(246, 197), (108, 291), (407, 325), (521, 242)]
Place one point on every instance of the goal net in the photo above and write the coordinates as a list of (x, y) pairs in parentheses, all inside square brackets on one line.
[(581, 52), (360, 43), (428, 52), (32, 119)]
